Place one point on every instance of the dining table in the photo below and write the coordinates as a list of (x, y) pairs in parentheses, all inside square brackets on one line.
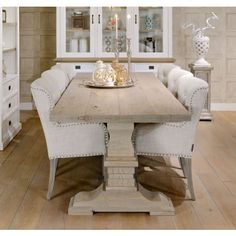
[(148, 101)]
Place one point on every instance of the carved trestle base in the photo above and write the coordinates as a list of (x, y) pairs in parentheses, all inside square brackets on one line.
[(142, 200), (121, 191)]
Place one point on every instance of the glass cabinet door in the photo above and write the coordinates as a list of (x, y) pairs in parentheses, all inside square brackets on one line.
[(151, 31), (108, 30), (79, 25), (91, 31)]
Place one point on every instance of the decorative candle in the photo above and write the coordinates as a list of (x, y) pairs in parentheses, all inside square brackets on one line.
[(128, 18), (116, 17)]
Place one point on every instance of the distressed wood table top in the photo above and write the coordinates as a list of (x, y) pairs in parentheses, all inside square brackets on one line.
[(149, 101)]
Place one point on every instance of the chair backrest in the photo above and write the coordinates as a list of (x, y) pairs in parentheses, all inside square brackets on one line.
[(192, 93), (67, 68), (46, 92), (164, 70), (173, 77), (59, 75)]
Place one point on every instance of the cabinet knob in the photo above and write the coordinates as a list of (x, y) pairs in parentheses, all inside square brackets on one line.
[(135, 19), (99, 19), (77, 67), (151, 67), (92, 19), (9, 87), (9, 105), (9, 122)]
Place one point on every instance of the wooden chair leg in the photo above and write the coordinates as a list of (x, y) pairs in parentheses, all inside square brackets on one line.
[(53, 168), (181, 162), (187, 169), (104, 171)]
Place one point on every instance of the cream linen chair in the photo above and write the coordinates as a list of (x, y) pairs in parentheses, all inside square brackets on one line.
[(164, 70), (67, 69), (175, 139), (64, 140), (173, 76)]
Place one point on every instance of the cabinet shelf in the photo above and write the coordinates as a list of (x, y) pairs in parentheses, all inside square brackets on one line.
[(9, 24), (151, 31), (77, 30), (150, 8), (113, 30), (9, 49), (9, 77)]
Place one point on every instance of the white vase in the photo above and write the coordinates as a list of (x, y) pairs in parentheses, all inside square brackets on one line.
[(201, 46), (74, 46), (99, 74), (83, 45)]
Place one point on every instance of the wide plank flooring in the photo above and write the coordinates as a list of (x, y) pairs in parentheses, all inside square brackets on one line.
[(24, 170)]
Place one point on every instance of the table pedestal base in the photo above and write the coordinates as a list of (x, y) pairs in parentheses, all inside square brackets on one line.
[(121, 191), (98, 200)]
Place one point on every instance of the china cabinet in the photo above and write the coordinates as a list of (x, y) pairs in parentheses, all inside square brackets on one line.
[(9, 74), (91, 31), (86, 34)]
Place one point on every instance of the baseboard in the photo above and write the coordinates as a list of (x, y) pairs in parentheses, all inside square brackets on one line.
[(223, 106), (26, 106)]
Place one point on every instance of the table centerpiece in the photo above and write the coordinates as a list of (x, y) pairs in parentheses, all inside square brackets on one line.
[(113, 75)]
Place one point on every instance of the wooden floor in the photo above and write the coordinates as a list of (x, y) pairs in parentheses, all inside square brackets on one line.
[(24, 169)]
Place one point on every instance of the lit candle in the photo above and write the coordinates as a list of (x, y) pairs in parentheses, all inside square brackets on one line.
[(116, 16), (128, 18)]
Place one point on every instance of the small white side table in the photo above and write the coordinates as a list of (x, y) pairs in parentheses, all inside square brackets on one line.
[(204, 72)]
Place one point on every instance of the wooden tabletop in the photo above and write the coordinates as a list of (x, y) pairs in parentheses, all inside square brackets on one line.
[(149, 101)]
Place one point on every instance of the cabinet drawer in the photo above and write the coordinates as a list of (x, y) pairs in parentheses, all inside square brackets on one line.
[(9, 125), (9, 87), (10, 104), (146, 67)]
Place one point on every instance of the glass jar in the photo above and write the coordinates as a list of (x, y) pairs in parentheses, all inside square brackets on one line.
[(99, 75)]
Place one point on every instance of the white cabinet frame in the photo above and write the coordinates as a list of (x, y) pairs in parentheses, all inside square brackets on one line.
[(100, 52), (61, 34), (167, 35), (9, 85), (96, 35)]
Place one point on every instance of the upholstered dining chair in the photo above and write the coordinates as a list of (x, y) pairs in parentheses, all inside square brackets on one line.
[(64, 140), (164, 70), (67, 69), (173, 76), (175, 139)]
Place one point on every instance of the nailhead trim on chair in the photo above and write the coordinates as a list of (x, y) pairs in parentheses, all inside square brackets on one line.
[(181, 124), (77, 155), (58, 124), (48, 95), (163, 154), (171, 125)]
